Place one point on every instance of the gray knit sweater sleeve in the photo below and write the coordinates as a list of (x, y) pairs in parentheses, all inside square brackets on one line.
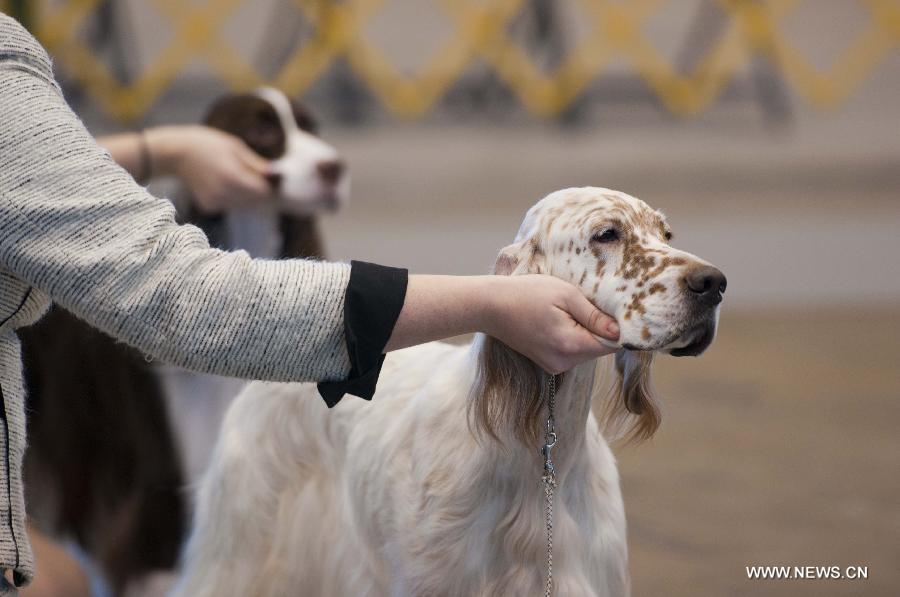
[(76, 226)]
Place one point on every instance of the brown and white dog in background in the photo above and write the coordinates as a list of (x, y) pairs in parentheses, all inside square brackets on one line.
[(108, 458), (309, 178)]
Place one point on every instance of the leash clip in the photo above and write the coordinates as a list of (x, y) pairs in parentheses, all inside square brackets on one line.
[(549, 469)]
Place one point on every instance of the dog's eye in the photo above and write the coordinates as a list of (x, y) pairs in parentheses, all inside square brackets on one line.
[(606, 236)]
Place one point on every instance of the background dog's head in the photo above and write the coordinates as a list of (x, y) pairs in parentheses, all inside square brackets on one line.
[(309, 174), (615, 248)]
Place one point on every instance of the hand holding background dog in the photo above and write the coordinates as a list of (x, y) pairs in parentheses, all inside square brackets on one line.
[(219, 170)]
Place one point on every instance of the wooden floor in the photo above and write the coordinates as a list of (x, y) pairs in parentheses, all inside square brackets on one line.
[(779, 446)]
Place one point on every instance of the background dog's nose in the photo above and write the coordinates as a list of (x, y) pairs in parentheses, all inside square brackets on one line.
[(707, 283), (274, 180), (330, 171)]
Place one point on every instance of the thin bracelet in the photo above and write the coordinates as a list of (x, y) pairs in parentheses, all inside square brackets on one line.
[(145, 159)]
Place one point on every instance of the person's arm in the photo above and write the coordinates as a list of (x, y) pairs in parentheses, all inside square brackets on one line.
[(131, 151), (221, 170), (218, 168), (536, 315), (76, 226)]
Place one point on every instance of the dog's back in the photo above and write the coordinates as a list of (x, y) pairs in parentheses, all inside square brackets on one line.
[(273, 514)]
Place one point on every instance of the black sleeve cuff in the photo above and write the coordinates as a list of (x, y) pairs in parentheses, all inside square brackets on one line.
[(372, 303)]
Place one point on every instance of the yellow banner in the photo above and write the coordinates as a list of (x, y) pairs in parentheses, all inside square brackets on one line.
[(480, 33)]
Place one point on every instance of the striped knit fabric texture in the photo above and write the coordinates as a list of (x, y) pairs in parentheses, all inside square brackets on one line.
[(76, 229)]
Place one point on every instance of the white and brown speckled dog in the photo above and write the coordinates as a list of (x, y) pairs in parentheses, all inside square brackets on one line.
[(416, 494)]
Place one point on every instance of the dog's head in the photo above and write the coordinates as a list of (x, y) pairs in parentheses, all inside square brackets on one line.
[(309, 175), (615, 248)]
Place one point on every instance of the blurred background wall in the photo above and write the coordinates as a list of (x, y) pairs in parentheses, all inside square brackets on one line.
[(769, 131)]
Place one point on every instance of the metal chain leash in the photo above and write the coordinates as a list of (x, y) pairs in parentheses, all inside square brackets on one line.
[(549, 477)]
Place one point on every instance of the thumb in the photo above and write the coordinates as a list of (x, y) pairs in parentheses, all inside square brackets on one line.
[(253, 160), (254, 187), (596, 321)]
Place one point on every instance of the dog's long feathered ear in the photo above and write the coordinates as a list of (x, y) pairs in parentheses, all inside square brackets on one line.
[(632, 414), (506, 398)]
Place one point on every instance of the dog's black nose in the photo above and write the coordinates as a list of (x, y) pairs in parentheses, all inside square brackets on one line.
[(330, 171), (706, 283)]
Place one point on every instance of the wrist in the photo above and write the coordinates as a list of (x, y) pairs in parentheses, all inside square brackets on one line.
[(490, 303), (165, 145)]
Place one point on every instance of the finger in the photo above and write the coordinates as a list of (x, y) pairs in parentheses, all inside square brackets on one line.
[(596, 350), (253, 187), (253, 160), (589, 347), (593, 319)]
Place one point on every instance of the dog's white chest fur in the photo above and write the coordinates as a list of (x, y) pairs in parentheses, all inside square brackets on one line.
[(396, 497)]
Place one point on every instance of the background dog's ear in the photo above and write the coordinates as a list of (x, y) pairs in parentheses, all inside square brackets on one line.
[(304, 118), (250, 118), (522, 257), (632, 412)]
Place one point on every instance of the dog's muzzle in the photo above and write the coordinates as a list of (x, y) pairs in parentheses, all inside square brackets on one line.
[(698, 339)]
